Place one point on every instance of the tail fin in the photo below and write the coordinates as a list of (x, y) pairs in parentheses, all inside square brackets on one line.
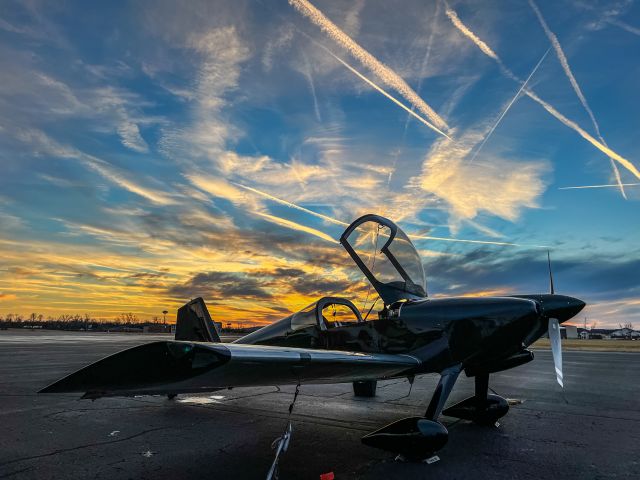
[(194, 323)]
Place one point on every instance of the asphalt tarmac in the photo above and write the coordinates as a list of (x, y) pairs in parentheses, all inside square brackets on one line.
[(591, 430)]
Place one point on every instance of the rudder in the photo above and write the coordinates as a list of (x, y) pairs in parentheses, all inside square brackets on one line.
[(195, 324)]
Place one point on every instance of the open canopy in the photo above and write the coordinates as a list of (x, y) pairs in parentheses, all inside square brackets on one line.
[(387, 257)]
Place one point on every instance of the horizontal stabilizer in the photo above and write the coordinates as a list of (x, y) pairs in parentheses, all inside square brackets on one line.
[(186, 367)]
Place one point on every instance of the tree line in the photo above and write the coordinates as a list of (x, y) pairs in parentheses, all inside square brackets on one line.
[(124, 321)]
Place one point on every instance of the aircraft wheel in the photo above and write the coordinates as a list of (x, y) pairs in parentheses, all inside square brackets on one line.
[(365, 388), (415, 438), (496, 408)]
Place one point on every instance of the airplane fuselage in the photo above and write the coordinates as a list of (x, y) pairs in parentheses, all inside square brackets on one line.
[(473, 332)]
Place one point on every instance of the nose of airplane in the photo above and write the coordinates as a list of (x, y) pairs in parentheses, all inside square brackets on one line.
[(561, 307)]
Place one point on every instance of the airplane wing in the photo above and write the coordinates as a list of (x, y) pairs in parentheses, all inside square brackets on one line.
[(168, 367)]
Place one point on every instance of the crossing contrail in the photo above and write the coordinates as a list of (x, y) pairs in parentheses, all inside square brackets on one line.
[(385, 73), (562, 58), (531, 94), (508, 106)]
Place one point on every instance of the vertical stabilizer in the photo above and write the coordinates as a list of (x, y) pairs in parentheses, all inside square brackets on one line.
[(195, 324)]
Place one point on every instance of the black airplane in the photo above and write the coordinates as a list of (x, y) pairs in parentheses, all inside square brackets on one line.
[(330, 342)]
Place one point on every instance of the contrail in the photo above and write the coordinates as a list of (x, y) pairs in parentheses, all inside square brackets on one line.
[(386, 74), (482, 242), (107, 171), (425, 60), (296, 226), (611, 21), (571, 124), (345, 224), (599, 186), (423, 70), (453, 16), (388, 95), (312, 87), (574, 84), (291, 205), (625, 26), (531, 94), (509, 106)]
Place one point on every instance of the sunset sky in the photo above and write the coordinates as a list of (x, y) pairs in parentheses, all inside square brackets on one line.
[(155, 151)]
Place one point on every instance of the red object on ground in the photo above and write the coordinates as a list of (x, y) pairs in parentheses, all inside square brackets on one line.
[(327, 476)]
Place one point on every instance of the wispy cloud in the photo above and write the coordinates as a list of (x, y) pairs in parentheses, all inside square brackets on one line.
[(130, 134), (222, 53), (43, 143), (500, 187), (385, 73), (574, 84), (217, 187), (250, 190), (112, 174)]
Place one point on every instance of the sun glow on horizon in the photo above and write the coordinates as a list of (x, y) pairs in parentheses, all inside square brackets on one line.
[(220, 150)]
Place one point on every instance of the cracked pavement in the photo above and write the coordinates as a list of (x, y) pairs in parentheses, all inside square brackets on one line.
[(591, 430)]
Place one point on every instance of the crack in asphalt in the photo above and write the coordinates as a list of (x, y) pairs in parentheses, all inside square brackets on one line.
[(314, 419), (592, 415), (80, 447), (16, 472), (100, 409)]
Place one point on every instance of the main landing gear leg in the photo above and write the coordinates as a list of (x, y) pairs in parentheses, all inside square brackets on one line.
[(483, 408), (417, 438), (443, 390)]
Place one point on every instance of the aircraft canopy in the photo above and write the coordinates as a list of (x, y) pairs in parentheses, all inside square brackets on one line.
[(387, 257)]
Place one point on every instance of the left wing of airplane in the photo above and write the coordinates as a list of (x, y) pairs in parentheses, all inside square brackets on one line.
[(169, 367)]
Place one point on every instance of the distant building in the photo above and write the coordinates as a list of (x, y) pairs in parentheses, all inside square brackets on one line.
[(566, 331), (625, 333), (156, 328), (570, 331), (594, 333)]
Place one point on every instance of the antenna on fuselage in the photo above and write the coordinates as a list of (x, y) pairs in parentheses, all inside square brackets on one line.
[(550, 273)]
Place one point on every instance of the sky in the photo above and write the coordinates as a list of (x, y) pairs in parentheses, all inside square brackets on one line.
[(155, 151)]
